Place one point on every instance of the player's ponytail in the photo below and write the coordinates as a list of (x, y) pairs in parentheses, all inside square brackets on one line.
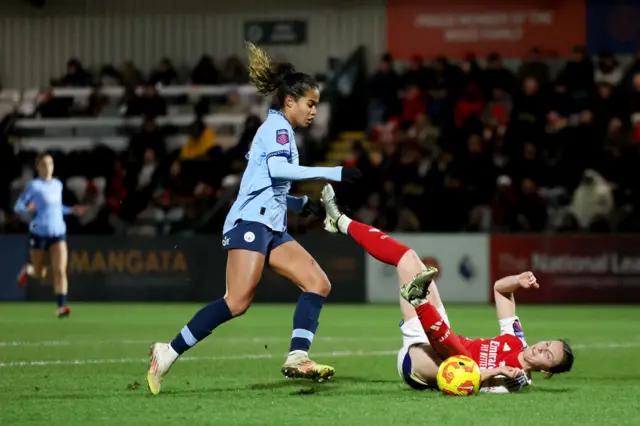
[(280, 79)]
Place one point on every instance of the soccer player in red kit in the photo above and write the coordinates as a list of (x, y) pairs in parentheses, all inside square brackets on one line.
[(506, 361)]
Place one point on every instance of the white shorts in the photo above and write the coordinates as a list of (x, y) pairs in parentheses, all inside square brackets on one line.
[(413, 334)]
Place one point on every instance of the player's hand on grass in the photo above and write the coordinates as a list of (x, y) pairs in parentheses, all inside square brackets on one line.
[(528, 280)]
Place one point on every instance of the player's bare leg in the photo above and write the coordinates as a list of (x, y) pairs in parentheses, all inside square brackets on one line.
[(59, 256), (291, 261), (411, 271), (244, 269), (36, 268), (442, 339), (413, 288)]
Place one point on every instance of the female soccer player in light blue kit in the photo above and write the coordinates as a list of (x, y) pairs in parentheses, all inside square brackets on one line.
[(255, 230), (42, 200)]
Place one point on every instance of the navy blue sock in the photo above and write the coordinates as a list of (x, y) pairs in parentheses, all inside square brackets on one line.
[(61, 300), (201, 325), (305, 321)]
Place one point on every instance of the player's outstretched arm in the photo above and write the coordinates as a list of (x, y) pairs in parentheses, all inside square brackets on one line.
[(280, 168), (508, 372), (504, 288)]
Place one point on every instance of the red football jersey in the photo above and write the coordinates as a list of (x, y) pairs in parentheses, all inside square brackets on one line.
[(497, 352)]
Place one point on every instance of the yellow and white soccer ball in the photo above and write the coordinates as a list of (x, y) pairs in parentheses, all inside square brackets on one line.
[(459, 376)]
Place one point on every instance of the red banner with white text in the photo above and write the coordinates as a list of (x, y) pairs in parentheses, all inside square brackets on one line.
[(455, 27), (571, 269)]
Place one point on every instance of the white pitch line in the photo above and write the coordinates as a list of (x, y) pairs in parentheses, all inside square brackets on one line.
[(228, 340), (335, 354), (338, 354)]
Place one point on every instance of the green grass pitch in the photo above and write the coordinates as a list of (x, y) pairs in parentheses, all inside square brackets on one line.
[(89, 369)]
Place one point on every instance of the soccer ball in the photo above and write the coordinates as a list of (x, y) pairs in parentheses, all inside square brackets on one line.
[(459, 375)]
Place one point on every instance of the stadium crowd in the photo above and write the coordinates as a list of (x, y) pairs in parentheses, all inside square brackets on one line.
[(465, 147), (454, 146)]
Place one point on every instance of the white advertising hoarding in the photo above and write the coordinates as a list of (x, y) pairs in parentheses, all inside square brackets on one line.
[(463, 261)]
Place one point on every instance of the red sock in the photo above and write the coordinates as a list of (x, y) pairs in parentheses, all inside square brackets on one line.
[(377, 244), (442, 339)]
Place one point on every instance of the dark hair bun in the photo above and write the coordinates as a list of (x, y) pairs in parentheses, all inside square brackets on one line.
[(282, 71)]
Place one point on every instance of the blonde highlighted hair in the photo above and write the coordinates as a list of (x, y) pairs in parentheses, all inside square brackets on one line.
[(270, 77)]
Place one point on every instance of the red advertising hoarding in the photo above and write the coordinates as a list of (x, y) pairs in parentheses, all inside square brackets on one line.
[(571, 269), (455, 27)]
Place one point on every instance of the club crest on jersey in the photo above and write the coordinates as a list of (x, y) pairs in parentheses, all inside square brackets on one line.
[(282, 136)]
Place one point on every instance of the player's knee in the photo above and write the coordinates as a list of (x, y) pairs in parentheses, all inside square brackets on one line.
[(319, 284), (238, 305), (410, 262), (58, 273), (39, 272)]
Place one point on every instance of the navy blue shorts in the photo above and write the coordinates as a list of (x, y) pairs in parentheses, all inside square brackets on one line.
[(406, 375), (38, 242), (254, 236)]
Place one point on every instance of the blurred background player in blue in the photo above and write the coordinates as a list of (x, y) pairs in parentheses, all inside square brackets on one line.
[(42, 201), (255, 230)]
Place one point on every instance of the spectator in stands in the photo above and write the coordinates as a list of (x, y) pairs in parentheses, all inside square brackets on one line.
[(165, 74), (149, 103), (497, 76), (150, 136), (50, 106), (534, 66), (498, 109), (407, 221), (529, 165), (578, 74), (142, 180), (588, 141), (131, 77), (503, 206), (448, 77), (76, 75), (109, 76), (205, 72), (94, 221), (605, 106), (530, 105), (200, 141), (236, 155), (425, 134), (564, 101), (116, 191), (472, 73), (609, 70), (530, 210), (383, 92), (417, 74), (174, 197), (235, 105), (469, 106), (97, 103), (414, 102), (592, 203), (557, 137), (234, 71), (478, 173), (494, 138), (370, 211)]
